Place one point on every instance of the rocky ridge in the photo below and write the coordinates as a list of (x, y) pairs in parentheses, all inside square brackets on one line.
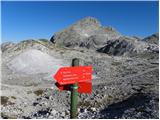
[(90, 34), (153, 39)]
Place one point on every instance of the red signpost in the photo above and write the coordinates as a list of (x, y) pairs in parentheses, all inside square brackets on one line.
[(71, 75), (75, 79), (78, 74)]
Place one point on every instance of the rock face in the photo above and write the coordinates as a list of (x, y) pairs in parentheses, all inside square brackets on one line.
[(124, 45), (6, 46), (87, 32), (41, 44), (153, 39), (116, 47)]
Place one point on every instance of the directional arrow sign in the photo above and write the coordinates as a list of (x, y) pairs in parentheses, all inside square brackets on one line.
[(71, 75)]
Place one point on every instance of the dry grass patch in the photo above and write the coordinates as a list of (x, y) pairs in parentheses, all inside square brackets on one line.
[(13, 97), (38, 92), (4, 100)]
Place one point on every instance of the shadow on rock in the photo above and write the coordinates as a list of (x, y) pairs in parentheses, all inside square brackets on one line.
[(138, 105)]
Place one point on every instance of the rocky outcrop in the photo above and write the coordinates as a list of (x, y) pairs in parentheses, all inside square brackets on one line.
[(116, 47), (123, 45), (153, 39), (40, 44), (87, 32), (90, 34), (6, 46)]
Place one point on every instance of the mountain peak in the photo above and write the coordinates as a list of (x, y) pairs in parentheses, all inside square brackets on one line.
[(89, 21), (87, 31)]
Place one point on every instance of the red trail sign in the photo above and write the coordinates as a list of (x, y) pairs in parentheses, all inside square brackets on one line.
[(71, 75)]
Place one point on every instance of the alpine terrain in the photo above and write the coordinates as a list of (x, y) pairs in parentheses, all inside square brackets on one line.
[(125, 74)]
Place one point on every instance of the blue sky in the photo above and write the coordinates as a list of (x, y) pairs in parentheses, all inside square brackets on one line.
[(34, 20)]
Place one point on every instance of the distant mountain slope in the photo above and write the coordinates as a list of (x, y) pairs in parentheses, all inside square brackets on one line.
[(128, 45), (90, 34), (87, 32), (153, 39), (41, 44)]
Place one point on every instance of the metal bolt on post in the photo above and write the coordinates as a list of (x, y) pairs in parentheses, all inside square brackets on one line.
[(74, 94)]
